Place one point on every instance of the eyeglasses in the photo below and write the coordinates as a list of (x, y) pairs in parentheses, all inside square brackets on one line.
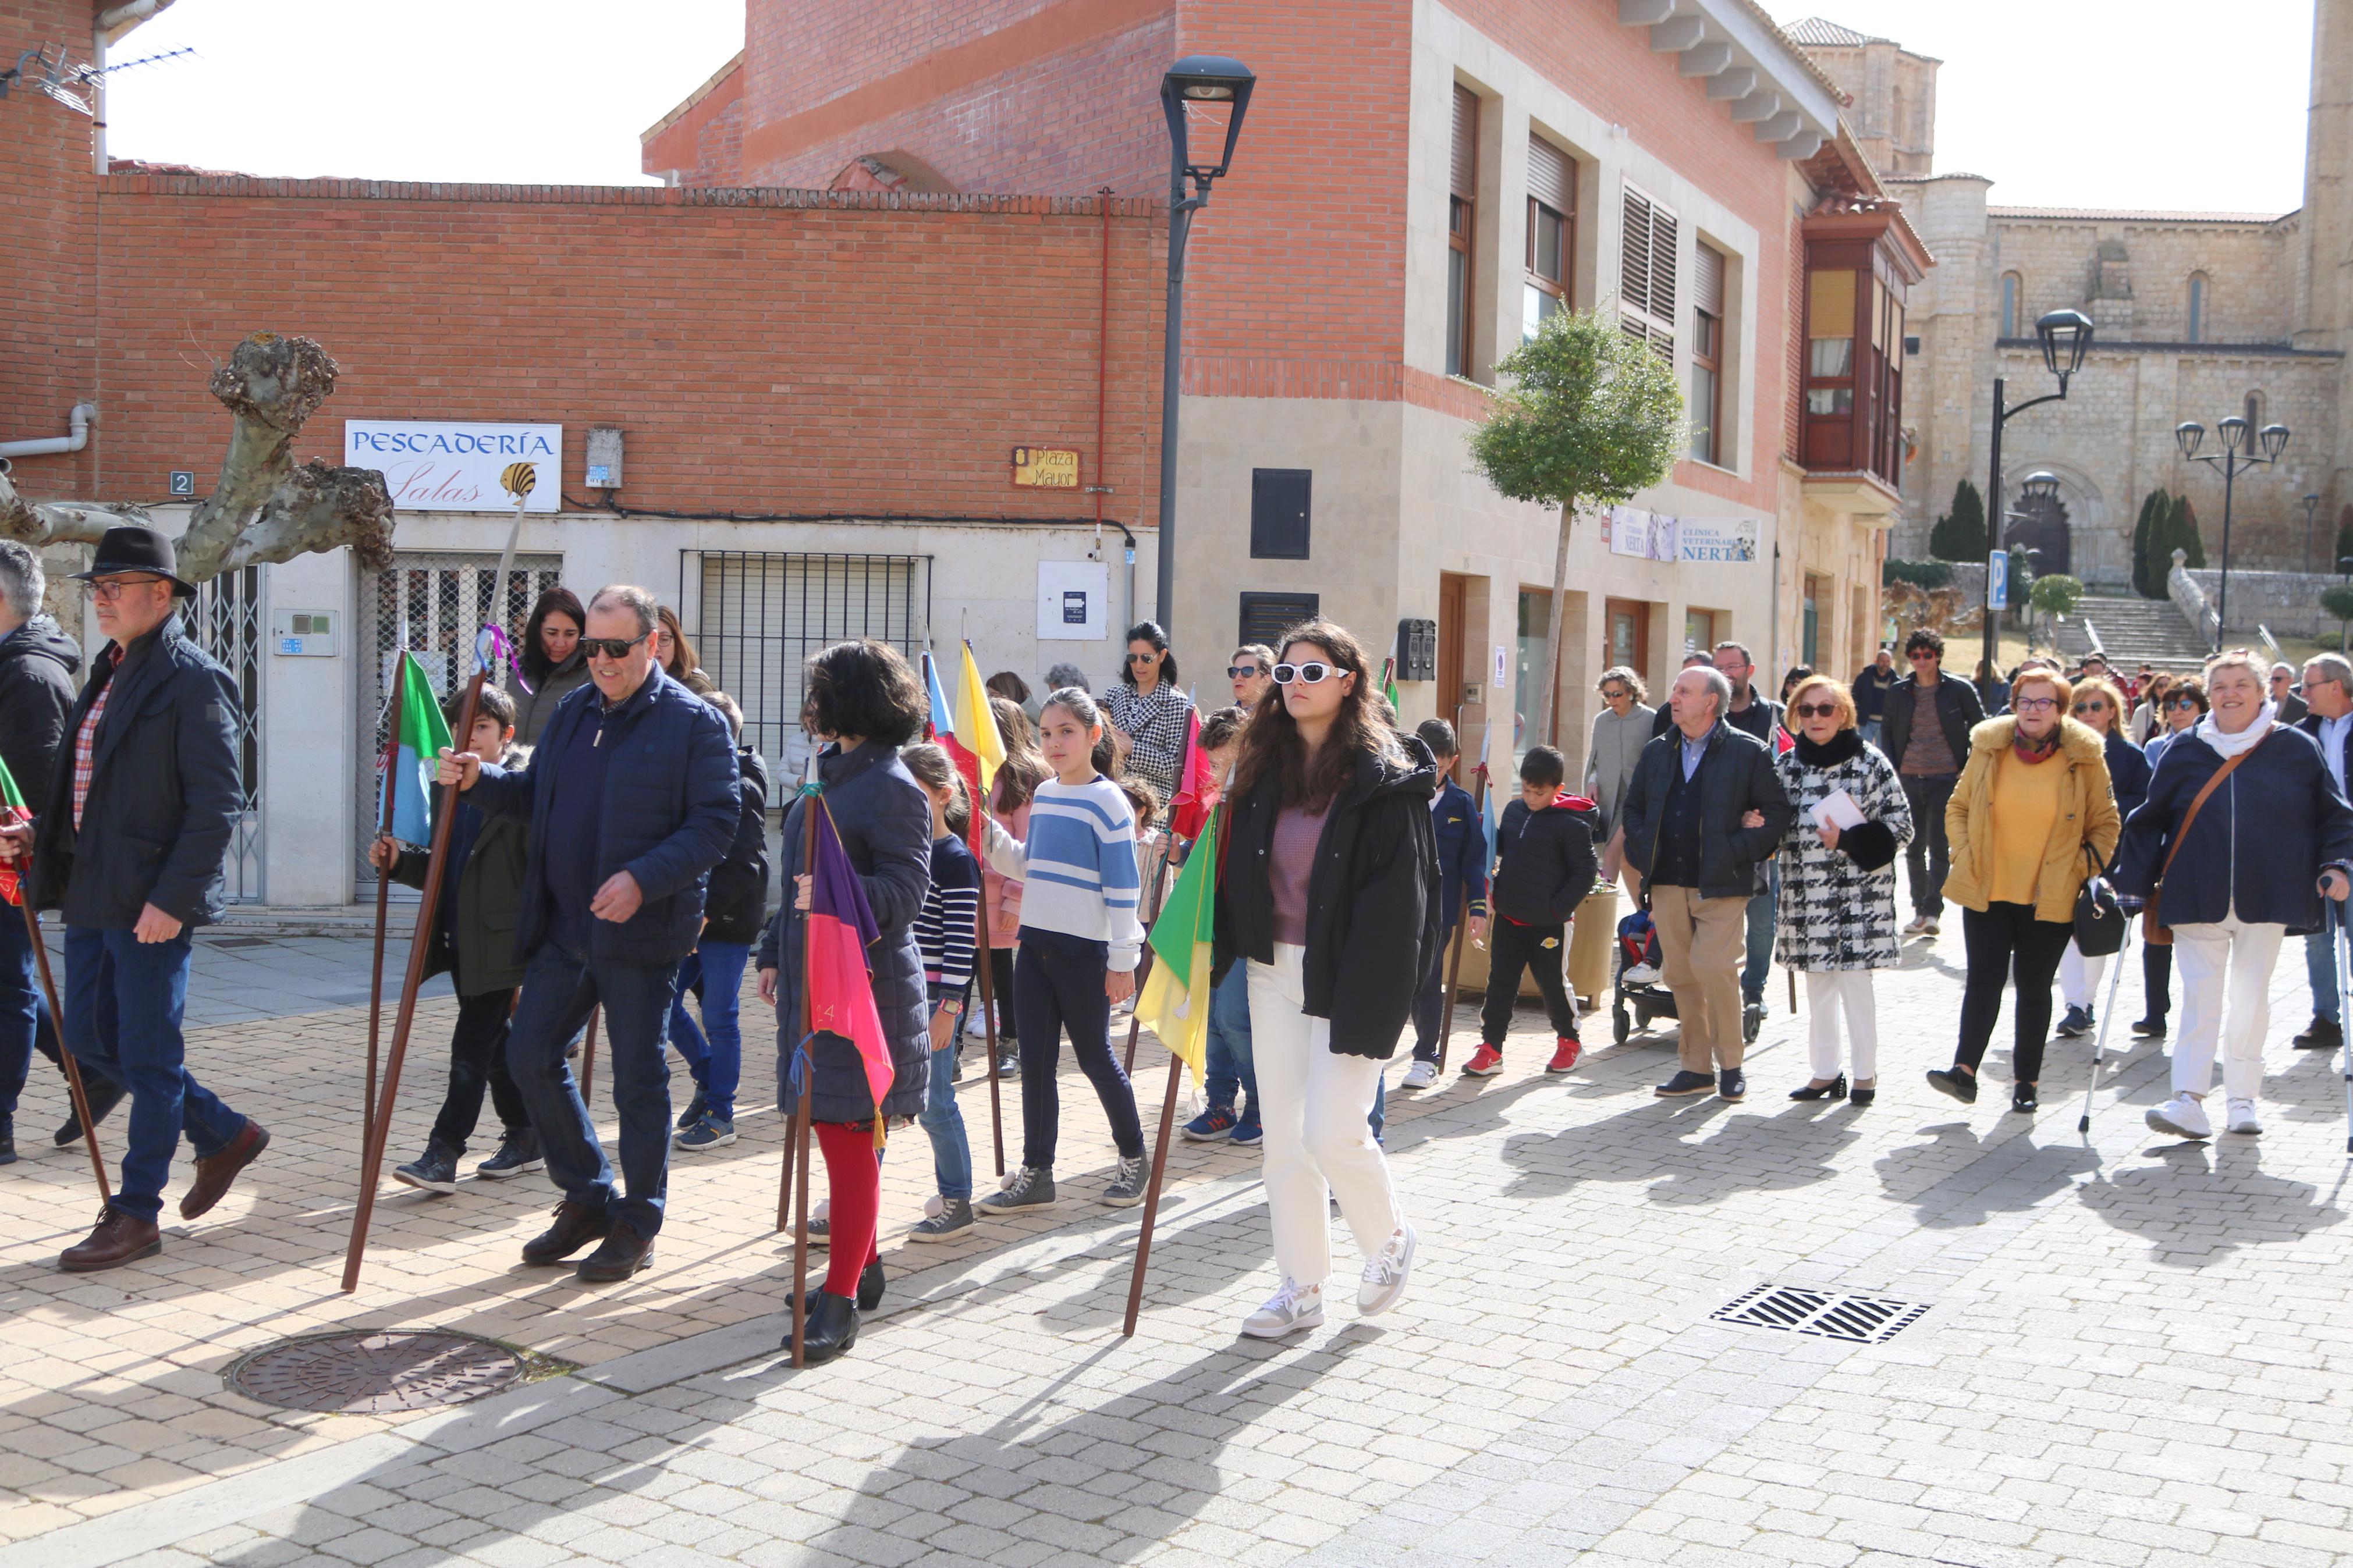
[(1922, 657), (1611, 693), (1242, 671), (2092, 705), (1311, 673), (110, 588), (2035, 704), (1816, 709), (612, 647), (1143, 658)]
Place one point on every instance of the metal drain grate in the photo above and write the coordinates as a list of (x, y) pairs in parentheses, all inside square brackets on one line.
[(1857, 1320), (387, 1370)]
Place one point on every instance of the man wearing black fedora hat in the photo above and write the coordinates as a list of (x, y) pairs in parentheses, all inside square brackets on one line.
[(141, 798)]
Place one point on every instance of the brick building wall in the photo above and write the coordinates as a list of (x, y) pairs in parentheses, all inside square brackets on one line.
[(48, 357), (765, 352), (701, 141)]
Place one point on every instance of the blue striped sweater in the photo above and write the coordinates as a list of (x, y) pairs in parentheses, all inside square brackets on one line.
[(1077, 869)]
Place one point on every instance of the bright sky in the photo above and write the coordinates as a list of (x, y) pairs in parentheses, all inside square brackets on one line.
[(2060, 102)]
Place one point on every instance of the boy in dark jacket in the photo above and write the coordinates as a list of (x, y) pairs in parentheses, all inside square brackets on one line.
[(1544, 870), (737, 909), (473, 940), (1462, 875)]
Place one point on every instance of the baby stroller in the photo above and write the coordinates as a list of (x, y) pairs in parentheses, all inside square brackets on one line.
[(1634, 1003)]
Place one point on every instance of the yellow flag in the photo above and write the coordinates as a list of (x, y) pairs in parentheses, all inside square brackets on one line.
[(975, 722)]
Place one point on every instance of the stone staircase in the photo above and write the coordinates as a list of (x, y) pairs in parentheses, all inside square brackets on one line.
[(2133, 630)]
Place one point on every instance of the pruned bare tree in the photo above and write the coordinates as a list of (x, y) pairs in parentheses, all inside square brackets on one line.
[(265, 506)]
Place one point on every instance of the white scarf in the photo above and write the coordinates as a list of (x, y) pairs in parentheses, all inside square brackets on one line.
[(2229, 746)]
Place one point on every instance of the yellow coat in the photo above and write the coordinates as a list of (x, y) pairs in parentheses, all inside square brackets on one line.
[(2087, 815)]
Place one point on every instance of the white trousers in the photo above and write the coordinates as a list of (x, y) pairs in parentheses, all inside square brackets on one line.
[(2079, 977), (1829, 992), (1314, 1104), (2226, 974)]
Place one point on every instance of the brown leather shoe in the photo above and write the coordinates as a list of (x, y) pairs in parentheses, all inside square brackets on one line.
[(624, 1253), (119, 1239), (573, 1227), (214, 1172)]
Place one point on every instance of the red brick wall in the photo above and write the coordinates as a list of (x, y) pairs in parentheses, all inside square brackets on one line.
[(769, 352), (47, 359), (704, 145), (1053, 96)]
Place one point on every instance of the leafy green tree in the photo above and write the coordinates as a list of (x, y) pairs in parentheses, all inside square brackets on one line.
[(1585, 417), (2148, 567), (1961, 533), (2056, 594)]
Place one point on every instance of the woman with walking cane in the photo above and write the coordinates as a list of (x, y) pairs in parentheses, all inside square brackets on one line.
[(2242, 832), (863, 703), (1836, 916), (2100, 705), (1330, 894)]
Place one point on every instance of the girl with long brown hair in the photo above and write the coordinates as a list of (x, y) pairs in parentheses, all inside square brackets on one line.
[(1328, 891)]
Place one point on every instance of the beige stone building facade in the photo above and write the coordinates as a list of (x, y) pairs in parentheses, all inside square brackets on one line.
[(2200, 315)]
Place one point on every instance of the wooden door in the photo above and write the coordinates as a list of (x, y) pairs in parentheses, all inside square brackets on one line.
[(1629, 624), (1451, 593)]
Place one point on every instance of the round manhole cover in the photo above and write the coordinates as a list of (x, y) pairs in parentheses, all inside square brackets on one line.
[(391, 1369)]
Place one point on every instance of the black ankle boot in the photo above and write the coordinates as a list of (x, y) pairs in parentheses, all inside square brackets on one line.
[(870, 1288), (830, 1330)]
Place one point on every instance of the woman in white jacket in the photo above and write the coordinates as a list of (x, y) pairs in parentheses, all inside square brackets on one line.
[(1621, 730)]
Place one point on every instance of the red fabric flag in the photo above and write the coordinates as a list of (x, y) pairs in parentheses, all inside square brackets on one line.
[(840, 983), (1197, 789)]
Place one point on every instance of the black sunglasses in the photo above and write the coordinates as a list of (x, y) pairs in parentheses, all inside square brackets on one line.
[(1816, 710), (613, 648), (1240, 672)]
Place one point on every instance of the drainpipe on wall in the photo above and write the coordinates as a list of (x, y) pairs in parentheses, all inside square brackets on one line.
[(114, 18), (76, 439)]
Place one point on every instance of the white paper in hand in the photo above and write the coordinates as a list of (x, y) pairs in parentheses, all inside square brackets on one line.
[(1837, 809)]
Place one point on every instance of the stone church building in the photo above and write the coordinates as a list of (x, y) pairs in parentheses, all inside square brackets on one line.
[(2200, 315)]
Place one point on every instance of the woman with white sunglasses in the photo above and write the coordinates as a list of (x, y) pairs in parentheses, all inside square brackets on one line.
[(1328, 891)]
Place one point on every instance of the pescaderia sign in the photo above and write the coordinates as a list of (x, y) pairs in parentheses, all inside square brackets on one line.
[(446, 466)]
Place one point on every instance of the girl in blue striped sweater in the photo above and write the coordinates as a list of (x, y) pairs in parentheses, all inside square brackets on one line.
[(1080, 942)]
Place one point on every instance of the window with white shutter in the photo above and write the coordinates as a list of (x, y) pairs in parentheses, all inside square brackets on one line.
[(1461, 209), (1646, 282), (1551, 235), (1706, 403)]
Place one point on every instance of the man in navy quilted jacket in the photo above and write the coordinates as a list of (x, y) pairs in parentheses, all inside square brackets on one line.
[(631, 800)]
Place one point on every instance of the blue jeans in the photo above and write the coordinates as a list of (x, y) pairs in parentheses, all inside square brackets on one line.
[(1870, 729), (24, 1022), (1230, 1075), (1058, 984), (2320, 968), (558, 993), (943, 1123), (717, 1063), (1760, 938), (124, 1000)]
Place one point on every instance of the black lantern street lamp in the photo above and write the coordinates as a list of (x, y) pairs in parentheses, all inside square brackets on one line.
[(2067, 336), (1204, 79), (2238, 453)]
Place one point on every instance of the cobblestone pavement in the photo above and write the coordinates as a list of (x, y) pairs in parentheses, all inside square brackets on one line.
[(2134, 1350)]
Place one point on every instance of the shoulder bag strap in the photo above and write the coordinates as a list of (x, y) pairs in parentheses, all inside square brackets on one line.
[(2190, 815)]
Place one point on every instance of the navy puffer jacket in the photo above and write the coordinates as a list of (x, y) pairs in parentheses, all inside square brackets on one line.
[(885, 822), (2260, 841), (670, 813)]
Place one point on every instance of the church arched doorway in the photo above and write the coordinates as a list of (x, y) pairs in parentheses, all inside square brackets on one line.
[(2039, 523)]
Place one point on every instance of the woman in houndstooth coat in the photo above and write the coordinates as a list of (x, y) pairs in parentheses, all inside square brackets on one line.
[(1836, 918)]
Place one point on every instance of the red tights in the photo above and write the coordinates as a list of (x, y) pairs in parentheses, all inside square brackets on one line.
[(853, 1172)]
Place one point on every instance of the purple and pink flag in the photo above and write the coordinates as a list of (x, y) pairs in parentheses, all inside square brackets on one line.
[(840, 983)]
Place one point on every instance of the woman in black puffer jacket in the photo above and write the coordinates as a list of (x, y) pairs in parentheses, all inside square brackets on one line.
[(1329, 890), (865, 702)]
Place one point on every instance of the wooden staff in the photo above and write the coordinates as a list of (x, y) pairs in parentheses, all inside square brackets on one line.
[(1152, 1191), (589, 1054), (383, 894), (58, 1018), (988, 1022), (419, 946), (1462, 923), (797, 1146)]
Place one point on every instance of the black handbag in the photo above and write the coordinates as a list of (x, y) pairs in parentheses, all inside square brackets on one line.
[(2099, 918)]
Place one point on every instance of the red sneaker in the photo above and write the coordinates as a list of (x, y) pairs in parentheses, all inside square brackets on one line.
[(1486, 1062), (1565, 1054)]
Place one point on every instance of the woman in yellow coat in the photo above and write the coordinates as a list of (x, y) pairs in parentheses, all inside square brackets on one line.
[(2035, 793)]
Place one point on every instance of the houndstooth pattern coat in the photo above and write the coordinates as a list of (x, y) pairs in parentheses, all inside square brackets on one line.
[(1833, 913)]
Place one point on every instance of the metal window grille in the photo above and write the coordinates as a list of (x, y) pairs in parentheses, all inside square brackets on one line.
[(755, 616), (224, 620), (431, 604)]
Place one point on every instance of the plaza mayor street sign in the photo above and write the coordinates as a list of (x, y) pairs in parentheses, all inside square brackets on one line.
[(442, 465)]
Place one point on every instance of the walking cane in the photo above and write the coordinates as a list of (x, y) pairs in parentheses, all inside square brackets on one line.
[(588, 1056), (2100, 1032), (56, 1015), (2344, 1011)]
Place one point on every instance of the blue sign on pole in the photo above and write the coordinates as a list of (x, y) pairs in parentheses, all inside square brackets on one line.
[(1997, 579)]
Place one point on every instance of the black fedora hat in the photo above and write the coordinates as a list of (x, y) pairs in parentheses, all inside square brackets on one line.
[(130, 548)]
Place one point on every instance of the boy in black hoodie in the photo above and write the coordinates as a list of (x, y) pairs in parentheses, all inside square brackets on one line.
[(1545, 868)]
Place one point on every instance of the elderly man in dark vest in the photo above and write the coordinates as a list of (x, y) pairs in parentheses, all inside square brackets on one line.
[(141, 801), (631, 799)]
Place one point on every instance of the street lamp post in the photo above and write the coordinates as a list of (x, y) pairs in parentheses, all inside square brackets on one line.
[(1195, 79), (2238, 453), (2063, 332), (2311, 504)]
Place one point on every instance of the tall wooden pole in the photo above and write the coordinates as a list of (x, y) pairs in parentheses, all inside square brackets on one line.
[(419, 945), (1151, 1194), (58, 1018), (988, 1022), (796, 1147), (383, 894)]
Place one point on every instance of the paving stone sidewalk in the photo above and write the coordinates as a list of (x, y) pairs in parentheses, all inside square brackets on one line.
[(2134, 1350)]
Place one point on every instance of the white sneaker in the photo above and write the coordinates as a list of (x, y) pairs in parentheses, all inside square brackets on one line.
[(2244, 1118), (2183, 1116), (1385, 1273), (976, 1026), (1643, 974), (1934, 926), (1290, 1309), (1421, 1075), (1919, 924)]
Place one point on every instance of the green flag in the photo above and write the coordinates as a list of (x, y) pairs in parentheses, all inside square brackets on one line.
[(419, 733), (1175, 1001), (9, 795)]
